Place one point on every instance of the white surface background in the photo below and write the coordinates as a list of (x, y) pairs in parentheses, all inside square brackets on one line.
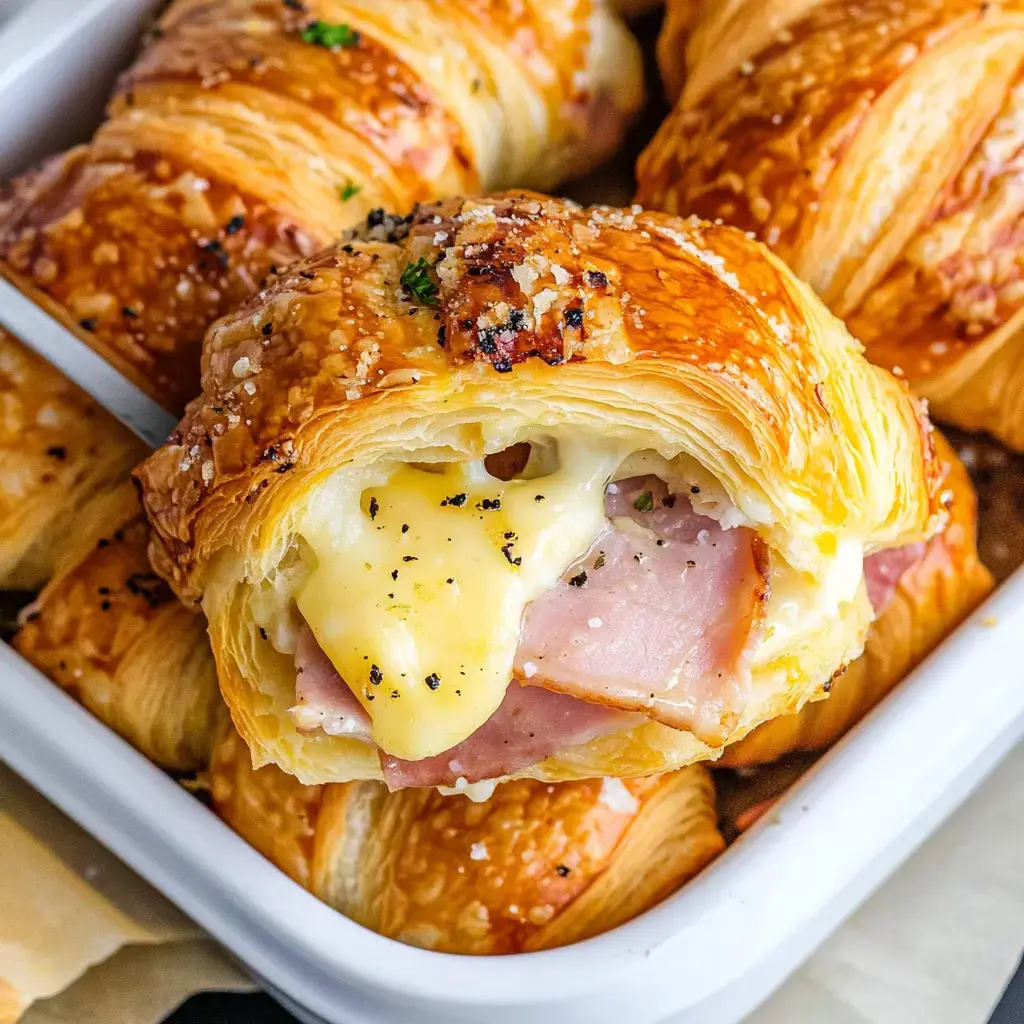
[(939, 941)]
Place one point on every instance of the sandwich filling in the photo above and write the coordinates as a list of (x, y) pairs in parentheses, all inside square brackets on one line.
[(472, 618)]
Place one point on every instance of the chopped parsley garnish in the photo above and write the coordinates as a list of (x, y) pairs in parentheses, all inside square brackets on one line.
[(644, 502), (374, 508), (376, 676), (323, 33), (579, 580), (349, 190), (433, 680), (417, 281)]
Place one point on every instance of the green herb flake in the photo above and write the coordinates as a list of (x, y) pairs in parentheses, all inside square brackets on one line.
[(349, 190), (644, 502), (323, 33), (417, 281)]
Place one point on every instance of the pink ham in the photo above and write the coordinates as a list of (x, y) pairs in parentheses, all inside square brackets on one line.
[(884, 569), (324, 700), (530, 724), (659, 619)]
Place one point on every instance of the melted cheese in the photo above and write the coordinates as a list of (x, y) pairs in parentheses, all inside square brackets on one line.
[(418, 599)]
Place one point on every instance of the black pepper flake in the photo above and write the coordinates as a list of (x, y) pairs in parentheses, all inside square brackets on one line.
[(538, 497), (502, 365), (267, 330), (433, 680), (88, 324), (458, 693), (451, 579), (489, 504), (644, 502), (405, 527), (394, 574), (573, 317), (660, 543), (669, 501), (374, 508), (127, 311), (409, 558), (394, 694), (510, 534), (234, 225), (599, 561), (58, 452), (441, 336), (102, 542), (307, 275), (466, 324), (690, 563), (562, 870), (263, 633), (368, 696), (507, 552), (595, 279), (827, 687), (347, 249), (294, 5), (579, 580), (458, 500), (695, 489), (105, 605), (214, 248), (376, 676)]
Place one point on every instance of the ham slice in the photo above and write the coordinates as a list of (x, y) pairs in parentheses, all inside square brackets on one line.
[(884, 569), (659, 616), (530, 724), (324, 700)]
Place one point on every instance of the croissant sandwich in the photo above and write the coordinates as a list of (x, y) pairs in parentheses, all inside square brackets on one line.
[(248, 134), (531, 867), (512, 487), (111, 633), (919, 593), (875, 146)]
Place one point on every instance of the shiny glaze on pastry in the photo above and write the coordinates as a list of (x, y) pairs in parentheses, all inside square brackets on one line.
[(875, 146)]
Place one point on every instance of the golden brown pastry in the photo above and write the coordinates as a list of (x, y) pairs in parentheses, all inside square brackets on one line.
[(249, 133), (60, 454), (112, 634), (875, 146), (532, 867), (516, 487), (920, 600)]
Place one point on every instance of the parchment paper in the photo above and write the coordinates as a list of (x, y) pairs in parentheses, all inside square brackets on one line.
[(82, 939)]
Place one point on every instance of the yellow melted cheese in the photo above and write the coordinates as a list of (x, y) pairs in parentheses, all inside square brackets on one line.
[(418, 599)]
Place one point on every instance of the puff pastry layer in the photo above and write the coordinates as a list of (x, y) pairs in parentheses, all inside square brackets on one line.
[(876, 147), (523, 313), (532, 867)]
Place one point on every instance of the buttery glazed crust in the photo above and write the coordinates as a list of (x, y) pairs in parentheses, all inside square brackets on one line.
[(233, 146), (333, 364), (112, 634), (534, 866), (60, 453), (231, 141), (932, 598), (875, 146)]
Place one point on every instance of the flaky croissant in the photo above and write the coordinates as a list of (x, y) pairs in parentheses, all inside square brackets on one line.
[(112, 634), (396, 480), (247, 134), (60, 456), (532, 867), (928, 596), (875, 146)]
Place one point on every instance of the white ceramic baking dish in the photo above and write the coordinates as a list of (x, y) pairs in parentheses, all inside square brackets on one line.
[(705, 956)]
